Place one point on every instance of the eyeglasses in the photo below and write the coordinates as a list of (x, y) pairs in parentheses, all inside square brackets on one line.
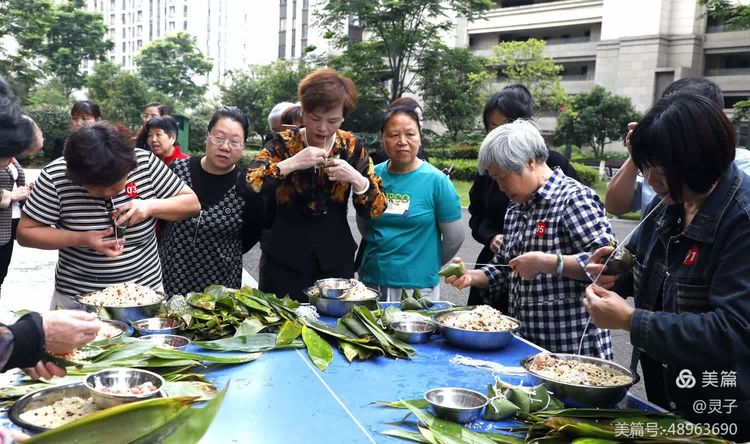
[(219, 141)]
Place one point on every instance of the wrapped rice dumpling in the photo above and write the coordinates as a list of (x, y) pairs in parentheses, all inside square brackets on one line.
[(454, 269)]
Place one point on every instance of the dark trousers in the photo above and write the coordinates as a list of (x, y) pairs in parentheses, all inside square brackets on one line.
[(6, 251), (277, 278), (477, 295)]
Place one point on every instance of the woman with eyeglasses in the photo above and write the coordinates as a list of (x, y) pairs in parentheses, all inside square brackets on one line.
[(207, 248), (487, 203), (311, 172)]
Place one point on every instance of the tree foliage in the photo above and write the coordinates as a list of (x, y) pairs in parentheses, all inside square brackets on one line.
[(257, 90), (168, 65), (452, 82), (48, 94), (363, 64), (524, 62), (74, 35), (122, 95), (400, 29), (596, 118), (735, 15)]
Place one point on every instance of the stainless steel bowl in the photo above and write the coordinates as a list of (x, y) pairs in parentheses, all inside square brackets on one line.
[(157, 326), (333, 288), (121, 378), (125, 329), (126, 314), (456, 404), (339, 307), (167, 341), (473, 339), (45, 397), (578, 395), (413, 331)]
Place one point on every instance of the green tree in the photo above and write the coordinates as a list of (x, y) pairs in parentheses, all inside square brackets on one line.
[(122, 95), (257, 90), (452, 82), (75, 35), (401, 29), (26, 22), (363, 64), (48, 95), (169, 64), (735, 15), (524, 62), (595, 118)]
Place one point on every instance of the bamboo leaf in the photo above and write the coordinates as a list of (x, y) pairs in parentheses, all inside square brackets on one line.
[(179, 354), (318, 349), (203, 391), (127, 422), (405, 434), (450, 428), (249, 343), (355, 351), (418, 403), (289, 331), (428, 435), (250, 326), (203, 300)]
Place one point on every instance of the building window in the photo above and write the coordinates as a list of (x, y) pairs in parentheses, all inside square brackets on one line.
[(282, 24), (140, 43), (123, 18), (282, 2), (184, 25), (184, 11), (111, 19), (123, 46), (111, 4), (737, 64), (123, 32), (304, 31), (140, 16), (124, 4), (305, 4), (123, 60), (171, 26), (171, 11)]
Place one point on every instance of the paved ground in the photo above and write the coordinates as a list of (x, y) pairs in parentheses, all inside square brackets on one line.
[(30, 280)]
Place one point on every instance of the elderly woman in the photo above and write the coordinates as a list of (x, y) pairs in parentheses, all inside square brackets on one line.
[(487, 203), (691, 277), (551, 219), (162, 136), (421, 228), (100, 182), (227, 225), (312, 171), (83, 112)]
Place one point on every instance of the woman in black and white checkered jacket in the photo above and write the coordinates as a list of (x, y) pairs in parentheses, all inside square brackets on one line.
[(551, 223)]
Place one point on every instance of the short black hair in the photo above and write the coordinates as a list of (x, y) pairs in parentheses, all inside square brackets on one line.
[(687, 135), (98, 155), (233, 113), (696, 85), (86, 107), (514, 101), (16, 130), (392, 111), (165, 123)]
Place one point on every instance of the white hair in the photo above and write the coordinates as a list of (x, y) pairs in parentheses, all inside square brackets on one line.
[(511, 146), (277, 111)]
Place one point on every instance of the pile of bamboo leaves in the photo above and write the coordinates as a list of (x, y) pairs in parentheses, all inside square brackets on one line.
[(252, 321)]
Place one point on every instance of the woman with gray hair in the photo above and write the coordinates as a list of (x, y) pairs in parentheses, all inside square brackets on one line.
[(551, 219)]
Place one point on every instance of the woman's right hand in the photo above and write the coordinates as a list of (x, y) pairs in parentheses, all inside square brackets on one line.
[(596, 265), (97, 242), (460, 282), (309, 157), (66, 330)]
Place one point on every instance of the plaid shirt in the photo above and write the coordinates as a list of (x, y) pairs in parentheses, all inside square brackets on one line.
[(564, 217)]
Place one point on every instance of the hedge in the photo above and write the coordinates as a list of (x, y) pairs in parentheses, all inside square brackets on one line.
[(455, 152), (588, 175), (54, 123), (463, 169)]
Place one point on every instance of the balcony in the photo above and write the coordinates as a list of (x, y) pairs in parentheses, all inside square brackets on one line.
[(563, 13)]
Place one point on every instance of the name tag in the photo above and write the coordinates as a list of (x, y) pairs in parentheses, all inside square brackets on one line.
[(398, 204)]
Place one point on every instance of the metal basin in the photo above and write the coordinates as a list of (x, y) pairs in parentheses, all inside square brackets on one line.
[(167, 341), (121, 378), (413, 331), (579, 395), (333, 288), (157, 326), (127, 314), (456, 404), (474, 339), (339, 307), (125, 329)]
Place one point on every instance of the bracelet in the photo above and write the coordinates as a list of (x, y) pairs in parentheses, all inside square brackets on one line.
[(560, 264)]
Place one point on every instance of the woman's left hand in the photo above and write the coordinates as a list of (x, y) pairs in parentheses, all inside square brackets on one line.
[(341, 171), (530, 265), (133, 212), (607, 308)]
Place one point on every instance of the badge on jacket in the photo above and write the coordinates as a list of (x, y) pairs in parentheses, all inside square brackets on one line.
[(691, 257), (541, 228), (131, 189)]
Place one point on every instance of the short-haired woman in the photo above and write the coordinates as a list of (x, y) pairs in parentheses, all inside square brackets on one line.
[(312, 171), (487, 203), (207, 249), (551, 220), (691, 278), (82, 113), (162, 136), (421, 228), (102, 182)]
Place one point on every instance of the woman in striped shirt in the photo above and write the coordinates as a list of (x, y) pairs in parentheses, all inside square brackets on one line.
[(102, 181)]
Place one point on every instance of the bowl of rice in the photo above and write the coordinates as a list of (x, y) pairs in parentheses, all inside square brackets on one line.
[(126, 302), (580, 381), (357, 295), (482, 328)]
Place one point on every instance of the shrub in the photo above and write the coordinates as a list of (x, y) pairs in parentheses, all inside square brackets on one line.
[(54, 123), (588, 175), (463, 169)]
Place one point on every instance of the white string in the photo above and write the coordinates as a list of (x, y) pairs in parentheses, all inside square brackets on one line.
[(621, 244), (488, 365)]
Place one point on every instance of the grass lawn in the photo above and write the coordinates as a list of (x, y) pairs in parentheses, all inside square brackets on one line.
[(462, 188)]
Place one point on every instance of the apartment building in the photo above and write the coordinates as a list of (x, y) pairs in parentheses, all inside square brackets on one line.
[(298, 31), (633, 48)]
